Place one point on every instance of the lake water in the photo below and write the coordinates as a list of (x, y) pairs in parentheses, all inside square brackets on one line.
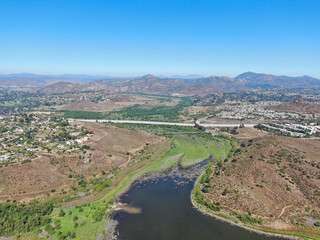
[(167, 214)]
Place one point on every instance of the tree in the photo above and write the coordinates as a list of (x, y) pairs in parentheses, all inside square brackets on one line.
[(18, 218), (234, 131), (62, 213)]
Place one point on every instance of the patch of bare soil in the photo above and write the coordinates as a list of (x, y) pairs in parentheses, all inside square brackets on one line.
[(194, 110), (113, 146), (250, 133)]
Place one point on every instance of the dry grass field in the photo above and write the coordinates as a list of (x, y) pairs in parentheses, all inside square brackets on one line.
[(250, 133)]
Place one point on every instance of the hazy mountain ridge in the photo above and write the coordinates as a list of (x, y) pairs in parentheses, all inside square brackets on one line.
[(255, 80), (154, 84), (64, 87)]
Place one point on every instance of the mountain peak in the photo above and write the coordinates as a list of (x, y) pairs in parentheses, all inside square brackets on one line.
[(149, 76), (247, 74)]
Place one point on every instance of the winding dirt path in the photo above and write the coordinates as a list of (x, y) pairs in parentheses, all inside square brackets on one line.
[(283, 210)]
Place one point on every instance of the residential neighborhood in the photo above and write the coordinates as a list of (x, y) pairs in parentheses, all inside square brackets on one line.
[(259, 111), (294, 130), (24, 137)]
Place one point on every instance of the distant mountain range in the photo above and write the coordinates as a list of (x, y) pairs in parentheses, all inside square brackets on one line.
[(181, 76), (154, 84), (79, 77), (259, 80)]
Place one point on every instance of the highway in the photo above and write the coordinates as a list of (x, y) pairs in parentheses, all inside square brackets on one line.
[(138, 122), (206, 125)]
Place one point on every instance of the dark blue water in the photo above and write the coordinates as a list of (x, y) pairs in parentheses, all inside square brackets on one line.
[(167, 214)]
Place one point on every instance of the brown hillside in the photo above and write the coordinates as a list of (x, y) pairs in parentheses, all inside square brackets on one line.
[(24, 182), (274, 178), (60, 87), (155, 85), (299, 105)]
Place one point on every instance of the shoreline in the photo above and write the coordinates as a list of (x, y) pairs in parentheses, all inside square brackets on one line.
[(153, 175), (112, 234), (150, 175), (196, 206), (157, 173)]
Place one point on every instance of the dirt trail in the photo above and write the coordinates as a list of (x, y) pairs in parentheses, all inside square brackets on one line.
[(283, 210), (29, 194)]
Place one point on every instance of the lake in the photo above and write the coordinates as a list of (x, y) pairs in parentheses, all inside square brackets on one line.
[(168, 214)]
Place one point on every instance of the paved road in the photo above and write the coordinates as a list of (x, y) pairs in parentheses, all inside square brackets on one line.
[(207, 125), (138, 122)]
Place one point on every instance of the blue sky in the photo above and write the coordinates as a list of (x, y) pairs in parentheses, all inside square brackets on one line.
[(116, 37)]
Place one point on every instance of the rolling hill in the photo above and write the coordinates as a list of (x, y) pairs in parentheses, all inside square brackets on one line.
[(272, 178)]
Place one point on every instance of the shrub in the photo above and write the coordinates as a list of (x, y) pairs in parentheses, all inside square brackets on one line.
[(98, 214), (225, 191), (249, 219), (26, 161)]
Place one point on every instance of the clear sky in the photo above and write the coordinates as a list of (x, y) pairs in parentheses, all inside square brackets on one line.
[(116, 37)]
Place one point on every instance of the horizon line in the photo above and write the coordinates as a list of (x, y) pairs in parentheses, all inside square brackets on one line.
[(160, 75)]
